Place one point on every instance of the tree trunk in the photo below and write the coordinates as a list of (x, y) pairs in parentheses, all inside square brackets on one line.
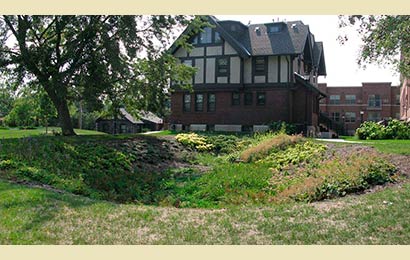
[(80, 117), (64, 118)]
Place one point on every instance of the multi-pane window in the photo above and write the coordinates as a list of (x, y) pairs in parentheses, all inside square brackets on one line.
[(218, 38), (397, 99), (373, 116), (335, 116), (199, 102), (260, 68), (206, 35), (350, 117), (374, 101), (187, 102), (334, 99), (211, 102), (260, 98), (350, 99), (222, 67), (248, 98), (236, 99)]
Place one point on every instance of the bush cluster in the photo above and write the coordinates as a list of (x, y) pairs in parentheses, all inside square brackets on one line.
[(394, 129), (334, 178), (283, 127), (195, 141)]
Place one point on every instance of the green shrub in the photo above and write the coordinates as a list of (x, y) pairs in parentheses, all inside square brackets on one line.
[(195, 141), (334, 177), (282, 127), (7, 164), (395, 129)]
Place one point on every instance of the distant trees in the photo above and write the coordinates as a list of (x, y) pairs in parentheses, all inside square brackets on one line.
[(386, 39), (31, 110), (92, 58)]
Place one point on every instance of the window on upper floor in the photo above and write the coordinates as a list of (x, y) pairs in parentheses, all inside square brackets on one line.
[(248, 98), (206, 35), (274, 28), (260, 65), (374, 101), (334, 99), (222, 67), (187, 103), (211, 102), (397, 101), (350, 99), (260, 98), (218, 38), (236, 99)]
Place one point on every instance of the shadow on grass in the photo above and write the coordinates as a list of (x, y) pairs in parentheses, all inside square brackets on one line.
[(26, 210)]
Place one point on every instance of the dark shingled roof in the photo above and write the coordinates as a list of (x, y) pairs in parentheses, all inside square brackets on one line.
[(256, 40)]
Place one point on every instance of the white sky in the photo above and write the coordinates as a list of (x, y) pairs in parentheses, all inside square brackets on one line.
[(341, 60)]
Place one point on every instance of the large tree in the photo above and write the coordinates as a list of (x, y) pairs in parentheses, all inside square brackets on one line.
[(90, 57), (386, 39)]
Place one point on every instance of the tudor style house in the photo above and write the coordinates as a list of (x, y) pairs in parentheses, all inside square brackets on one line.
[(249, 76)]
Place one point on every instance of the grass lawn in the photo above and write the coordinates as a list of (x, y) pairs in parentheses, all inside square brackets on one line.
[(17, 133), (385, 146), (164, 133), (38, 216), (227, 203)]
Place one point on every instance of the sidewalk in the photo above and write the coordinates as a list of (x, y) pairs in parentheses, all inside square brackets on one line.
[(338, 141)]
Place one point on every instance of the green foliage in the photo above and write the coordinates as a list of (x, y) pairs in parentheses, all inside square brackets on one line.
[(394, 129), (306, 152), (282, 127), (291, 169), (384, 39), (195, 141), (23, 113), (6, 100), (334, 178), (90, 56)]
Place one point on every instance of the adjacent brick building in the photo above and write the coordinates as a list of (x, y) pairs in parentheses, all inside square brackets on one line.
[(249, 76), (347, 107)]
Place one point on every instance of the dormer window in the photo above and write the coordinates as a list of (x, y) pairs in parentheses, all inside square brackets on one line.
[(275, 28)]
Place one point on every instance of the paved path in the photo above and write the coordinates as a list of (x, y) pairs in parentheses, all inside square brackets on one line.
[(338, 141), (151, 132)]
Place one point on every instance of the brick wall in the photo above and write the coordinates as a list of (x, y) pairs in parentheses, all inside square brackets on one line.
[(388, 108), (275, 108)]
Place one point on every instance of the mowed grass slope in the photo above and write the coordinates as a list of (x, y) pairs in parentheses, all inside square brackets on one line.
[(38, 216), (18, 133)]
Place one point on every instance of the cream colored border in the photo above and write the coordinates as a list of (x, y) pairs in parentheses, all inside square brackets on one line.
[(204, 7)]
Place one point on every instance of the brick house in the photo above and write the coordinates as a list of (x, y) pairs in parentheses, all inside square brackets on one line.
[(249, 76), (348, 107)]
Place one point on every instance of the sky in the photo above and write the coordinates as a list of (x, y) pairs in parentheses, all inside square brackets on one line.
[(341, 60)]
